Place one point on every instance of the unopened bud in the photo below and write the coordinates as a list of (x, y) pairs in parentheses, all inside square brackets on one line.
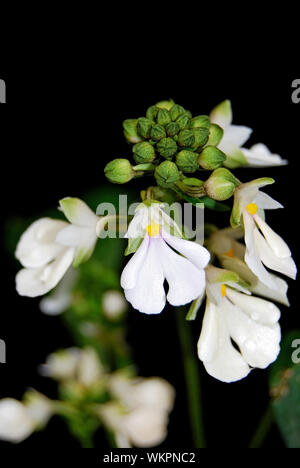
[(200, 121), (165, 104), (143, 152), (176, 111), (201, 135), (221, 184), (192, 186), (186, 138), (157, 132), (215, 135), (152, 112), (166, 174), (144, 126), (119, 171), (130, 131), (183, 121), (163, 117), (167, 147), (172, 129), (187, 161), (211, 158)]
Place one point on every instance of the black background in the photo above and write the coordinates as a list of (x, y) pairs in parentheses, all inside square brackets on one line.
[(61, 124)]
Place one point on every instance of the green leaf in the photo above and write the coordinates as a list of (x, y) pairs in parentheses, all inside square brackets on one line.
[(285, 390), (194, 309)]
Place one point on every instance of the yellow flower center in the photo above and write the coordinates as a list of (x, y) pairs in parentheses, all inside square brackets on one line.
[(229, 253), (223, 290), (252, 208), (153, 229)]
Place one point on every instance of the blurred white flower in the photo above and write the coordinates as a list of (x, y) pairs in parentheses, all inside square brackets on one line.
[(114, 304), (230, 314), (48, 247), (263, 245), (19, 420), (81, 365), (140, 414), (155, 260), (260, 156)]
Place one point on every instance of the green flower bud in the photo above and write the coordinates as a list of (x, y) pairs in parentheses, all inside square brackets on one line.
[(157, 132), (130, 131), (165, 104), (188, 114), (143, 152), (211, 158), (166, 174), (187, 161), (221, 184), (186, 138), (163, 117), (152, 112), (192, 186), (200, 121), (166, 147), (183, 121), (201, 135), (215, 135), (172, 129), (176, 111), (119, 171), (144, 126)]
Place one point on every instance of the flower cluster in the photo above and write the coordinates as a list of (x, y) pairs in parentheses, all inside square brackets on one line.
[(169, 142)]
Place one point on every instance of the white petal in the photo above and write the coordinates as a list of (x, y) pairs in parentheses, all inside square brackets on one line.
[(277, 244), (265, 202), (77, 212), (130, 273), (58, 301), (195, 252), (237, 134), (279, 294), (260, 156), (83, 238), (252, 255), (259, 343), (33, 282), (220, 358), (260, 310), (146, 427), (37, 246), (285, 265), (148, 294), (186, 282), (139, 223)]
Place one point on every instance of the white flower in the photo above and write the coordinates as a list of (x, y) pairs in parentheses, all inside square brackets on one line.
[(260, 156), (18, 420), (231, 255), (15, 421), (155, 260), (140, 416), (263, 245), (48, 248), (114, 304), (251, 322), (234, 136), (82, 365)]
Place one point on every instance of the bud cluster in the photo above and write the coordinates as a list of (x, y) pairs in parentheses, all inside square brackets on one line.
[(170, 142)]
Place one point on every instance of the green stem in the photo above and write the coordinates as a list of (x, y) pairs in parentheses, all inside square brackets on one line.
[(192, 379), (262, 429)]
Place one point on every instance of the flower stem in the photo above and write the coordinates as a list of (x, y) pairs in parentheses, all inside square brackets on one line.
[(192, 378), (262, 429)]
